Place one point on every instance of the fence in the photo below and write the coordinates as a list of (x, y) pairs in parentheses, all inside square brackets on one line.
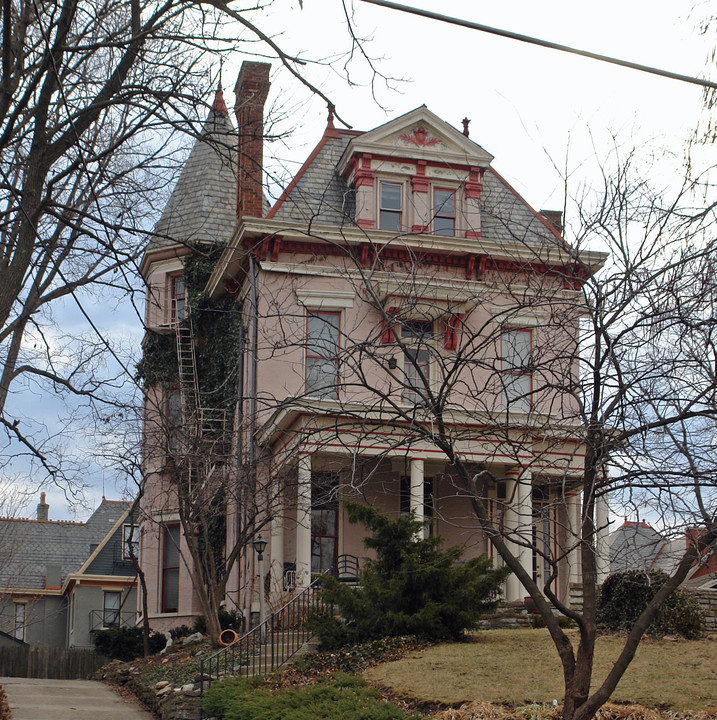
[(49, 663)]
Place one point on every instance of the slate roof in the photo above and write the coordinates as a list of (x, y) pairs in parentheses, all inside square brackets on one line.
[(28, 547), (202, 206), (318, 194)]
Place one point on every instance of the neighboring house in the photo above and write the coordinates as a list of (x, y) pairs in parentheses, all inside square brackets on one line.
[(637, 546), (386, 251), (60, 580)]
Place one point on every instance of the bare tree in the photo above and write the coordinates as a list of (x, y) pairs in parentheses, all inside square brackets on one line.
[(90, 96)]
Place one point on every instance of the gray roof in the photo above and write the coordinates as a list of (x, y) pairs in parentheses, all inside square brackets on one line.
[(202, 206), (506, 218), (320, 195), (28, 548)]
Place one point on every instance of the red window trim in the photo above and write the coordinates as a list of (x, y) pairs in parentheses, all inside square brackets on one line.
[(174, 297)]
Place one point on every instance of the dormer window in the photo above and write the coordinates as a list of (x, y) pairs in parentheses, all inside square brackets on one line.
[(390, 206), (444, 217)]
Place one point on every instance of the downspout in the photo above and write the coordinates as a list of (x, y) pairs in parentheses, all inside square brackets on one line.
[(251, 392)]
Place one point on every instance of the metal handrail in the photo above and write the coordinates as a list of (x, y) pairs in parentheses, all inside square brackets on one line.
[(284, 633)]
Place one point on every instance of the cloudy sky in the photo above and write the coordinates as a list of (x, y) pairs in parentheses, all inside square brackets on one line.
[(543, 114)]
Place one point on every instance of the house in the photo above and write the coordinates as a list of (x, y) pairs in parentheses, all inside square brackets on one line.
[(396, 273), (61, 580), (635, 545)]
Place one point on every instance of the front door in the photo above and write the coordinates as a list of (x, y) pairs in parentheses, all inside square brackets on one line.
[(324, 522)]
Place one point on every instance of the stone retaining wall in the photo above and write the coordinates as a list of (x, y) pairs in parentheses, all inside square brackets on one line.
[(708, 602)]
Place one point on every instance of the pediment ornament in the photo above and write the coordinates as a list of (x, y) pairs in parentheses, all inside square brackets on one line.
[(420, 138)]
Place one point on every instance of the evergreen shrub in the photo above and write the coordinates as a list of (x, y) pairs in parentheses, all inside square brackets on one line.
[(412, 588), (125, 643), (625, 595)]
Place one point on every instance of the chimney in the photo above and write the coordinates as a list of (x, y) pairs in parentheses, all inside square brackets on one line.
[(43, 509), (251, 90), (554, 218)]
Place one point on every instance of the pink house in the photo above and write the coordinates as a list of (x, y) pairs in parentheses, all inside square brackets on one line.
[(398, 291)]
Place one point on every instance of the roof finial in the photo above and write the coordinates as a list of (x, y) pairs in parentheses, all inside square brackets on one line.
[(466, 122), (332, 110), (219, 106)]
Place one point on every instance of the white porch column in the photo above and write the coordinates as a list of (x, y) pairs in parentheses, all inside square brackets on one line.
[(277, 541), (519, 525), (602, 561), (573, 511), (303, 522), (417, 492)]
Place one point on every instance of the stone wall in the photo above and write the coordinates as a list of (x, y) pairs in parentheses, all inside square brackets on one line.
[(708, 602)]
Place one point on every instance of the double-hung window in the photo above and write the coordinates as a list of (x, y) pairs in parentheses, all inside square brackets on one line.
[(111, 609), (322, 354), (174, 417), (170, 569), (444, 212), (390, 206), (179, 299), (517, 373), (19, 625), (415, 335)]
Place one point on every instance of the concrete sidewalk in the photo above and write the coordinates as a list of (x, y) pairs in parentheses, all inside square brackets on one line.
[(32, 699)]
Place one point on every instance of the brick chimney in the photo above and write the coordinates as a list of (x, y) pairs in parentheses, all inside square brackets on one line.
[(554, 218), (43, 509), (251, 90)]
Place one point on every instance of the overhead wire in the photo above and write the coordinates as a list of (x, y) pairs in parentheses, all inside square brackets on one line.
[(542, 43)]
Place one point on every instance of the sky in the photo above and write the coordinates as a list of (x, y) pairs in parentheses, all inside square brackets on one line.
[(543, 114)]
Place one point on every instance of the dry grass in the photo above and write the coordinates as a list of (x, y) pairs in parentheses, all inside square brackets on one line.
[(521, 667)]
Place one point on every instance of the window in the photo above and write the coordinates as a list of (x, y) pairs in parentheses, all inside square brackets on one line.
[(444, 214), (416, 359), (179, 307), (130, 535), (170, 569), (390, 206), (19, 629), (111, 609), (322, 354), (174, 418), (517, 371)]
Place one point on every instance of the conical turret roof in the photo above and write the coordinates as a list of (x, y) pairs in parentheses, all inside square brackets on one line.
[(202, 206)]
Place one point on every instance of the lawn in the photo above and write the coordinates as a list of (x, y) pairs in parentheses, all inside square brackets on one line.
[(521, 667)]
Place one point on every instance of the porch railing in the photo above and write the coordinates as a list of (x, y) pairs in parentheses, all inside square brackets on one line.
[(104, 619), (270, 644)]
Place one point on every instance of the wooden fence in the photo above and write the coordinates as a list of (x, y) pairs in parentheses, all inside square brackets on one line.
[(49, 663)]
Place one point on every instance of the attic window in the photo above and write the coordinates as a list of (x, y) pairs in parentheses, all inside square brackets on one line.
[(444, 220), (391, 206)]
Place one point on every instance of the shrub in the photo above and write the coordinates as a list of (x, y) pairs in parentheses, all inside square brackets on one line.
[(412, 588), (124, 643), (339, 696), (625, 595), (228, 620)]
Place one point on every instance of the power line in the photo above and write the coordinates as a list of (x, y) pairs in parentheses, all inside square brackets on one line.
[(542, 43)]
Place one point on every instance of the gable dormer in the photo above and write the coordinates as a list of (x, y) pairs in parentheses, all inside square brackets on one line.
[(416, 174)]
